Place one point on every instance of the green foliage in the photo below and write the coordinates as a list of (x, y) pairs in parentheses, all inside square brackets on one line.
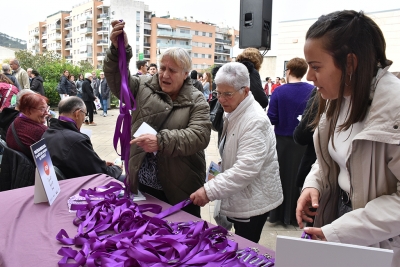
[(51, 93), (51, 67), (114, 100)]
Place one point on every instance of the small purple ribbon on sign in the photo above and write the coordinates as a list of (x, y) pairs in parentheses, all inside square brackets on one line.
[(125, 108)]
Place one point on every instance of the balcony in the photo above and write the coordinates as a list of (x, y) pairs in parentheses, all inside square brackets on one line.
[(148, 20), (223, 51), (147, 56), (86, 30), (164, 45), (102, 42), (35, 33), (99, 67), (221, 61), (68, 47), (58, 47), (85, 18), (44, 33), (88, 41), (85, 55), (102, 30), (68, 57), (100, 56), (68, 36), (56, 37), (228, 42), (68, 25), (56, 27), (147, 32), (102, 17), (146, 44), (172, 34)]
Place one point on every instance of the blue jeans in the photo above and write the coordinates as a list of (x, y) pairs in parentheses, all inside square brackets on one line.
[(104, 105)]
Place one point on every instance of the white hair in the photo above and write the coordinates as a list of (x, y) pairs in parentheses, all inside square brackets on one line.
[(87, 75), (233, 74), (180, 56)]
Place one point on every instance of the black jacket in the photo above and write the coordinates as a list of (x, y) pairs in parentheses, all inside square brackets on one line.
[(72, 152), (37, 85), (198, 85), (64, 85), (87, 91), (17, 170), (72, 91), (105, 89), (7, 116), (255, 84), (303, 135)]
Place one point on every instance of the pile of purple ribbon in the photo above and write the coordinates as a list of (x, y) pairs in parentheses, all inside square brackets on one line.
[(116, 232)]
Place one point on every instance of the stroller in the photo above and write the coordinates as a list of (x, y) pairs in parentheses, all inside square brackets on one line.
[(7, 91)]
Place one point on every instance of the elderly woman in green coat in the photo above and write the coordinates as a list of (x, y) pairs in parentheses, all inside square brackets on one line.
[(170, 104)]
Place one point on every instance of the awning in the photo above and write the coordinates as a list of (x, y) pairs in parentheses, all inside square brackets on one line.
[(227, 47), (164, 26)]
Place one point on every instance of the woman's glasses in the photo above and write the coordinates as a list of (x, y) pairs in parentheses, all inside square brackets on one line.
[(44, 109), (228, 95)]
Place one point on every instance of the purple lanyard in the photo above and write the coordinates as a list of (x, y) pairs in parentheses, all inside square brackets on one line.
[(124, 118), (23, 116), (63, 118), (116, 232)]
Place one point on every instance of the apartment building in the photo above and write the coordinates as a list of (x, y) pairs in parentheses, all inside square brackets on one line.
[(82, 34)]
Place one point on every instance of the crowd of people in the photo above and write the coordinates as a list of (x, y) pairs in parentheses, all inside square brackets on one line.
[(323, 152)]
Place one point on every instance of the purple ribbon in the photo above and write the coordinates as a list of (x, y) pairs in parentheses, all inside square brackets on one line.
[(125, 107), (116, 232)]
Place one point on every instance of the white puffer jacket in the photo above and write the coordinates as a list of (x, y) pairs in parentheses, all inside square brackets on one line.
[(249, 184)]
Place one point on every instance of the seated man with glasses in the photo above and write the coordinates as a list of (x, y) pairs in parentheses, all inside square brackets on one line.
[(72, 151), (248, 185), (28, 127)]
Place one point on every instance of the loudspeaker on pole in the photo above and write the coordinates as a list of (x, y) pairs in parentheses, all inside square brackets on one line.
[(255, 24)]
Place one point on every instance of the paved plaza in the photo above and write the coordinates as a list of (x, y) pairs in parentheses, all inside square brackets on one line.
[(102, 139)]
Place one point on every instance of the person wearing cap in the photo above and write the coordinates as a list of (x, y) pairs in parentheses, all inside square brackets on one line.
[(88, 97)]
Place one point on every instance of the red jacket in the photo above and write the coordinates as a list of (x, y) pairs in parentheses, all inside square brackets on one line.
[(274, 87)]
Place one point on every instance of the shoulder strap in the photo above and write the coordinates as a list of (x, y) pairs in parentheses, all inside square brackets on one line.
[(19, 143)]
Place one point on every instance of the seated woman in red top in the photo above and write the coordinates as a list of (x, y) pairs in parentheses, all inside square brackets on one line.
[(29, 125)]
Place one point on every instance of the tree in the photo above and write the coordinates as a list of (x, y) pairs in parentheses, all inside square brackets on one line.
[(50, 65)]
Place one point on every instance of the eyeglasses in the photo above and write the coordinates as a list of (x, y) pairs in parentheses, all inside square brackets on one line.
[(44, 109), (81, 111), (228, 95), (286, 69)]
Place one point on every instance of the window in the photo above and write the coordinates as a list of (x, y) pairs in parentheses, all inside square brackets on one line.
[(137, 15), (196, 55), (203, 56), (137, 38), (210, 34), (81, 39), (204, 33), (196, 32)]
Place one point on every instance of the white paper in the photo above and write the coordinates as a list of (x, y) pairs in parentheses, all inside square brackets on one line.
[(87, 132), (144, 129), (299, 117)]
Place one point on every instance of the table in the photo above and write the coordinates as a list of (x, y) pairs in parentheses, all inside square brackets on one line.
[(28, 231)]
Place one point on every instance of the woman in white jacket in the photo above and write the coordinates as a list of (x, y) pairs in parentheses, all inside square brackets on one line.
[(355, 183), (249, 185)]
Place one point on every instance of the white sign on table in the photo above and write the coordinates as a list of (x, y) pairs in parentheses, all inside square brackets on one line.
[(47, 187), (291, 251)]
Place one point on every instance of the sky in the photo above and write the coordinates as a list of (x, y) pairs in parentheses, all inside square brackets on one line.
[(25, 12)]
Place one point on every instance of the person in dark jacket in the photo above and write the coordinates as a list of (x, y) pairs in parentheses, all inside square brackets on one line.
[(303, 135), (253, 59), (37, 82), (104, 93), (6, 71), (64, 84), (72, 91), (196, 83), (71, 151), (88, 97), (79, 85)]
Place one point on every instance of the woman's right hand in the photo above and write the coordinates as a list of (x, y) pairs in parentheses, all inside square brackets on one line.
[(118, 28), (308, 199)]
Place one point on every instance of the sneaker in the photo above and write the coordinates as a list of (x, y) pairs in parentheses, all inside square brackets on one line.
[(105, 115), (92, 124), (86, 123)]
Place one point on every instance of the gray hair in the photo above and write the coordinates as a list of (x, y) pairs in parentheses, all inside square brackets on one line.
[(21, 93), (87, 75), (30, 69), (233, 74), (16, 61), (180, 56), (70, 104), (6, 68)]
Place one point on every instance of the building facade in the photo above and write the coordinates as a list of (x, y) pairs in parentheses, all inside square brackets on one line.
[(82, 34)]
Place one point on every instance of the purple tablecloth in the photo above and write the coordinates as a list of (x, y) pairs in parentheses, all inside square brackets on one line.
[(28, 230)]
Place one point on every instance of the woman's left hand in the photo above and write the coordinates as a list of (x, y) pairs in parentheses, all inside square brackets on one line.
[(315, 233), (199, 197), (148, 142)]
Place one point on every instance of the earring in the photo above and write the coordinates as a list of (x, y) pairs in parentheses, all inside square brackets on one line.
[(350, 76), (349, 80)]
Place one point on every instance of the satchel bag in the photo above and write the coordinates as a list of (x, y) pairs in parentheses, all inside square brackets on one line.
[(216, 115)]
